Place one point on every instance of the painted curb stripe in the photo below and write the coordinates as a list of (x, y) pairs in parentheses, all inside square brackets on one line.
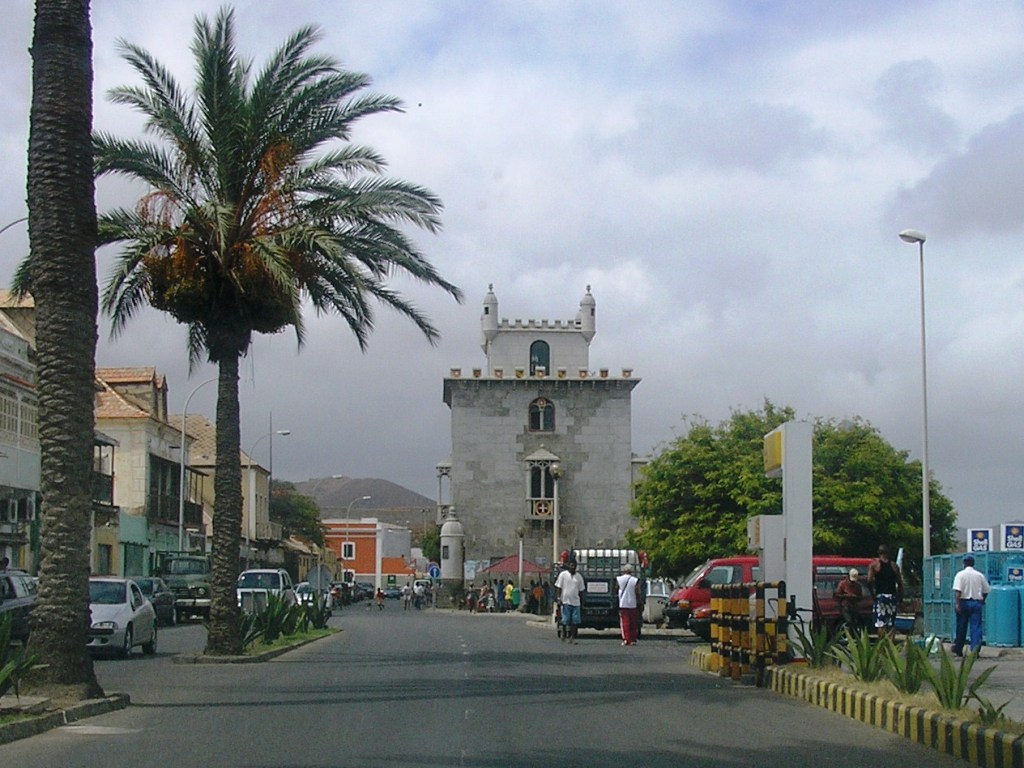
[(985, 747)]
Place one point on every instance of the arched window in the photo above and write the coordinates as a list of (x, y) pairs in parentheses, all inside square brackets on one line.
[(540, 354), (542, 484), (542, 415)]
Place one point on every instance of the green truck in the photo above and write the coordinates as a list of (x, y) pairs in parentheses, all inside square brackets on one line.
[(188, 577)]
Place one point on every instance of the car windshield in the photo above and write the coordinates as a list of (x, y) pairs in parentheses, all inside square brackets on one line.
[(146, 585), (259, 581), (107, 592), (187, 566)]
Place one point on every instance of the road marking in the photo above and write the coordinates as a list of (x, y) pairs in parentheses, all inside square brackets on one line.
[(98, 730)]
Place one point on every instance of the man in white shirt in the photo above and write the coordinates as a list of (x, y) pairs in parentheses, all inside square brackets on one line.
[(970, 588), (629, 603), (568, 588)]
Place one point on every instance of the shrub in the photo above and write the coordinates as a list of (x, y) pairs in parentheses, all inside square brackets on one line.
[(905, 666), (15, 660), (860, 655), (951, 685), (816, 648)]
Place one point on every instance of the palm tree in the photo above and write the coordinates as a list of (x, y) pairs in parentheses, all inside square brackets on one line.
[(258, 203), (61, 274)]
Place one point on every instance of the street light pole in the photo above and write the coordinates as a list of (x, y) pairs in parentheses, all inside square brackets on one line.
[(913, 236), (252, 486), (349, 510), (183, 456), (556, 473)]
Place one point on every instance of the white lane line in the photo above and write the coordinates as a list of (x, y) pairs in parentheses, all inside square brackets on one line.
[(97, 730)]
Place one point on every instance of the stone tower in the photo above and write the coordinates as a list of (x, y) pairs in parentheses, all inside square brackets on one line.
[(541, 442)]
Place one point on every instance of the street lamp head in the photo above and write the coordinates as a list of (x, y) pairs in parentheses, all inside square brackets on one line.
[(366, 498), (912, 236), (283, 432)]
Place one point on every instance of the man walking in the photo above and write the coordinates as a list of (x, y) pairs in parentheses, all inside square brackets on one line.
[(568, 588), (970, 588), (887, 583), (629, 602)]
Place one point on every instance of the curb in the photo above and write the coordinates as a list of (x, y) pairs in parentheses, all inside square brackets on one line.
[(978, 745), (32, 726), (986, 747), (201, 658)]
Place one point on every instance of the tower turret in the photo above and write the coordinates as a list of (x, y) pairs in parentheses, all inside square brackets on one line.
[(489, 319), (587, 316)]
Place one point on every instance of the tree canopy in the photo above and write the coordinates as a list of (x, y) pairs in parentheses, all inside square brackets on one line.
[(298, 515), (694, 498), (257, 204)]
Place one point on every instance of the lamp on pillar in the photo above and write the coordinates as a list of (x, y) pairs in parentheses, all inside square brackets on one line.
[(556, 473)]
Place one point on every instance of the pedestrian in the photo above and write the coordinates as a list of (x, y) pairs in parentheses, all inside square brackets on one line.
[(517, 597), (629, 604), (970, 588), (537, 595), (848, 595), (5, 562), (500, 594), (406, 596), (380, 598), (568, 590), (886, 582), (508, 596), (420, 592)]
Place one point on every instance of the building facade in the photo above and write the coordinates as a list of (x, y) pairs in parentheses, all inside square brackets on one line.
[(541, 442)]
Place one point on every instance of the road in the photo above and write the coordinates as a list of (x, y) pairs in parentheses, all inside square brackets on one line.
[(435, 688)]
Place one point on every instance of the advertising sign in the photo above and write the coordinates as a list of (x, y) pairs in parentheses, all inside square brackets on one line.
[(979, 540), (1015, 575), (1011, 537)]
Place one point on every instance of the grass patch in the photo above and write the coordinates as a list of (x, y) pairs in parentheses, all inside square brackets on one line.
[(286, 641)]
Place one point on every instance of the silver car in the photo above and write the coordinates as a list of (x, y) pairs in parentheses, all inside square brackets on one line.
[(122, 617)]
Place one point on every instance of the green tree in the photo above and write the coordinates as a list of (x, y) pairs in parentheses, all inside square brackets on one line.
[(298, 515), (430, 543), (60, 273), (258, 203), (694, 498)]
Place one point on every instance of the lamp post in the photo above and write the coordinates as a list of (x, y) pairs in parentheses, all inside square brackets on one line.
[(183, 456), (913, 236), (348, 511), (252, 483), (556, 473)]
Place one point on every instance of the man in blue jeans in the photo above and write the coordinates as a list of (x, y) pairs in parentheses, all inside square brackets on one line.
[(568, 589), (970, 588)]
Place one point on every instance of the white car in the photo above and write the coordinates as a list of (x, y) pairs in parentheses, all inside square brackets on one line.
[(256, 584), (122, 617)]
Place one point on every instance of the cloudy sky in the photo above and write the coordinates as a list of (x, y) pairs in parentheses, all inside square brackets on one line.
[(729, 177)]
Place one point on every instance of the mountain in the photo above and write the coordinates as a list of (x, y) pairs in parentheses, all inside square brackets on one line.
[(388, 501)]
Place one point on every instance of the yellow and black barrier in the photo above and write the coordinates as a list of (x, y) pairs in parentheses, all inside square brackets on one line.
[(744, 638)]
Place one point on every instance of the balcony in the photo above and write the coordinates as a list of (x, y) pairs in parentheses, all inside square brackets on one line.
[(269, 532), (163, 508), (102, 489)]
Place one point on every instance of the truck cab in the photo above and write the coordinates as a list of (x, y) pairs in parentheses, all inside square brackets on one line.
[(188, 577), (599, 602)]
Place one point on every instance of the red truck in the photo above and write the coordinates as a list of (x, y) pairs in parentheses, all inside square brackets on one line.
[(690, 605)]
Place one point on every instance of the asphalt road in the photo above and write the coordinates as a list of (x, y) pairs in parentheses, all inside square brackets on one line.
[(436, 688)]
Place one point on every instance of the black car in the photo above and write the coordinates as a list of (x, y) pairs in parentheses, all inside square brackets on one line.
[(160, 595), (17, 597)]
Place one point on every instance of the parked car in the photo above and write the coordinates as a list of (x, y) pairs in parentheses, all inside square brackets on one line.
[(17, 597), (256, 584), (305, 592), (393, 593), (122, 617), (160, 595), (658, 591)]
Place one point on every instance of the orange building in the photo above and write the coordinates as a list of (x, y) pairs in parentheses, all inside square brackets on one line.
[(371, 549)]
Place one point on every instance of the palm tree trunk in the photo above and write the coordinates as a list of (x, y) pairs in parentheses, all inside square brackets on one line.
[(62, 277), (224, 636)]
